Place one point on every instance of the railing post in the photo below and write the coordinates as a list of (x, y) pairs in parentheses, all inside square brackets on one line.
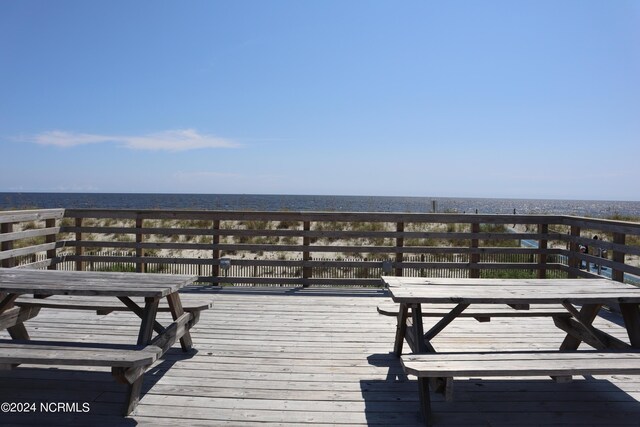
[(140, 266), (7, 246), (618, 257), (399, 245), (51, 238), (79, 248), (542, 246), (474, 258), (574, 247), (307, 272), (215, 269)]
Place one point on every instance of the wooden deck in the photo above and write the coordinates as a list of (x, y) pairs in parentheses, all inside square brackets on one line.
[(314, 356)]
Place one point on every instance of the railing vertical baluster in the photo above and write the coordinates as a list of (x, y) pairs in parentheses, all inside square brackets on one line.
[(474, 272), (618, 257), (542, 246), (399, 245)]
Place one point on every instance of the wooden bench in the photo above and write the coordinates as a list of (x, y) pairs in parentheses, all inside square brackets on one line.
[(481, 312), (555, 364), (128, 363), (191, 303)]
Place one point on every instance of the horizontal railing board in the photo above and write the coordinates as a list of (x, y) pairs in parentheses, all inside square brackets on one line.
[(136, 245), (602, 244), (605, 225), (333, 234), (311, 248), (313, 216), (38, 265), (30, 215), (28, 250), (626, 268), (312, 264), (27, 234), (578, 272), (613, 226)]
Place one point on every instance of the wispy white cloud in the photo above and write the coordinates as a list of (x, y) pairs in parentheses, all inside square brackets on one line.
[(170, 140)]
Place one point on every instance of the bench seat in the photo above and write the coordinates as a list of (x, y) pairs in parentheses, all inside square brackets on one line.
[(128, 363), (555, 364), (480, 312), (190, 303)]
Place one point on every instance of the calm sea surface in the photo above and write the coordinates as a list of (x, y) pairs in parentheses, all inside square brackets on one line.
[(317, 203)]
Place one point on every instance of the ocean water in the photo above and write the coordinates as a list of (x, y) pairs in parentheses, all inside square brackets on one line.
[(591, 208)]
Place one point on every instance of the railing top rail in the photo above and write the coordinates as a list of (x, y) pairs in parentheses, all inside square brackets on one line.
[(313, 216), (30, 215), (611, 225)]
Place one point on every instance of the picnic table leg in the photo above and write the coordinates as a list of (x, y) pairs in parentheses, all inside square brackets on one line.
[(175, 306), (401, 329), (422, 345), (148, 320), (631, 316), (144, 337)]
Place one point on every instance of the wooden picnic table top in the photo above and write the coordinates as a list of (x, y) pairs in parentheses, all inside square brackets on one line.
[(55, 282), (510, 291)]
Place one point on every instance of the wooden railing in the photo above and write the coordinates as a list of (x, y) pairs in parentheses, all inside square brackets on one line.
[(319, 248), (36, 234)]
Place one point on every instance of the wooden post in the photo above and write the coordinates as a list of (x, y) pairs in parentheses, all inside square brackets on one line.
[(574, 248), (79, 249), (474, 272), (7, 246), (307, 272), (542, 246), (140, 266), (399, 244), (51, 238), (215, 270), (618, 257)]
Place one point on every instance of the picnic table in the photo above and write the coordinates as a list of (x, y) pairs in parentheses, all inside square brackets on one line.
[(138, 292), (581, 298)]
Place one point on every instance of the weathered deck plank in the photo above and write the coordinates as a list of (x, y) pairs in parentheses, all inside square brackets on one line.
[(283, 358)]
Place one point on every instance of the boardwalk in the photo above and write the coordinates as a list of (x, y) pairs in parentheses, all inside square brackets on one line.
[(315, 356)]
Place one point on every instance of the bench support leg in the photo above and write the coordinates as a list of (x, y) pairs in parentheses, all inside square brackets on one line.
[(18, 332), (425, 400), (133, 378), (133, 396)]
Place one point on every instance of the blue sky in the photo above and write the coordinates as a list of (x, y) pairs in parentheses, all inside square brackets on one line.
[(524, 99)]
